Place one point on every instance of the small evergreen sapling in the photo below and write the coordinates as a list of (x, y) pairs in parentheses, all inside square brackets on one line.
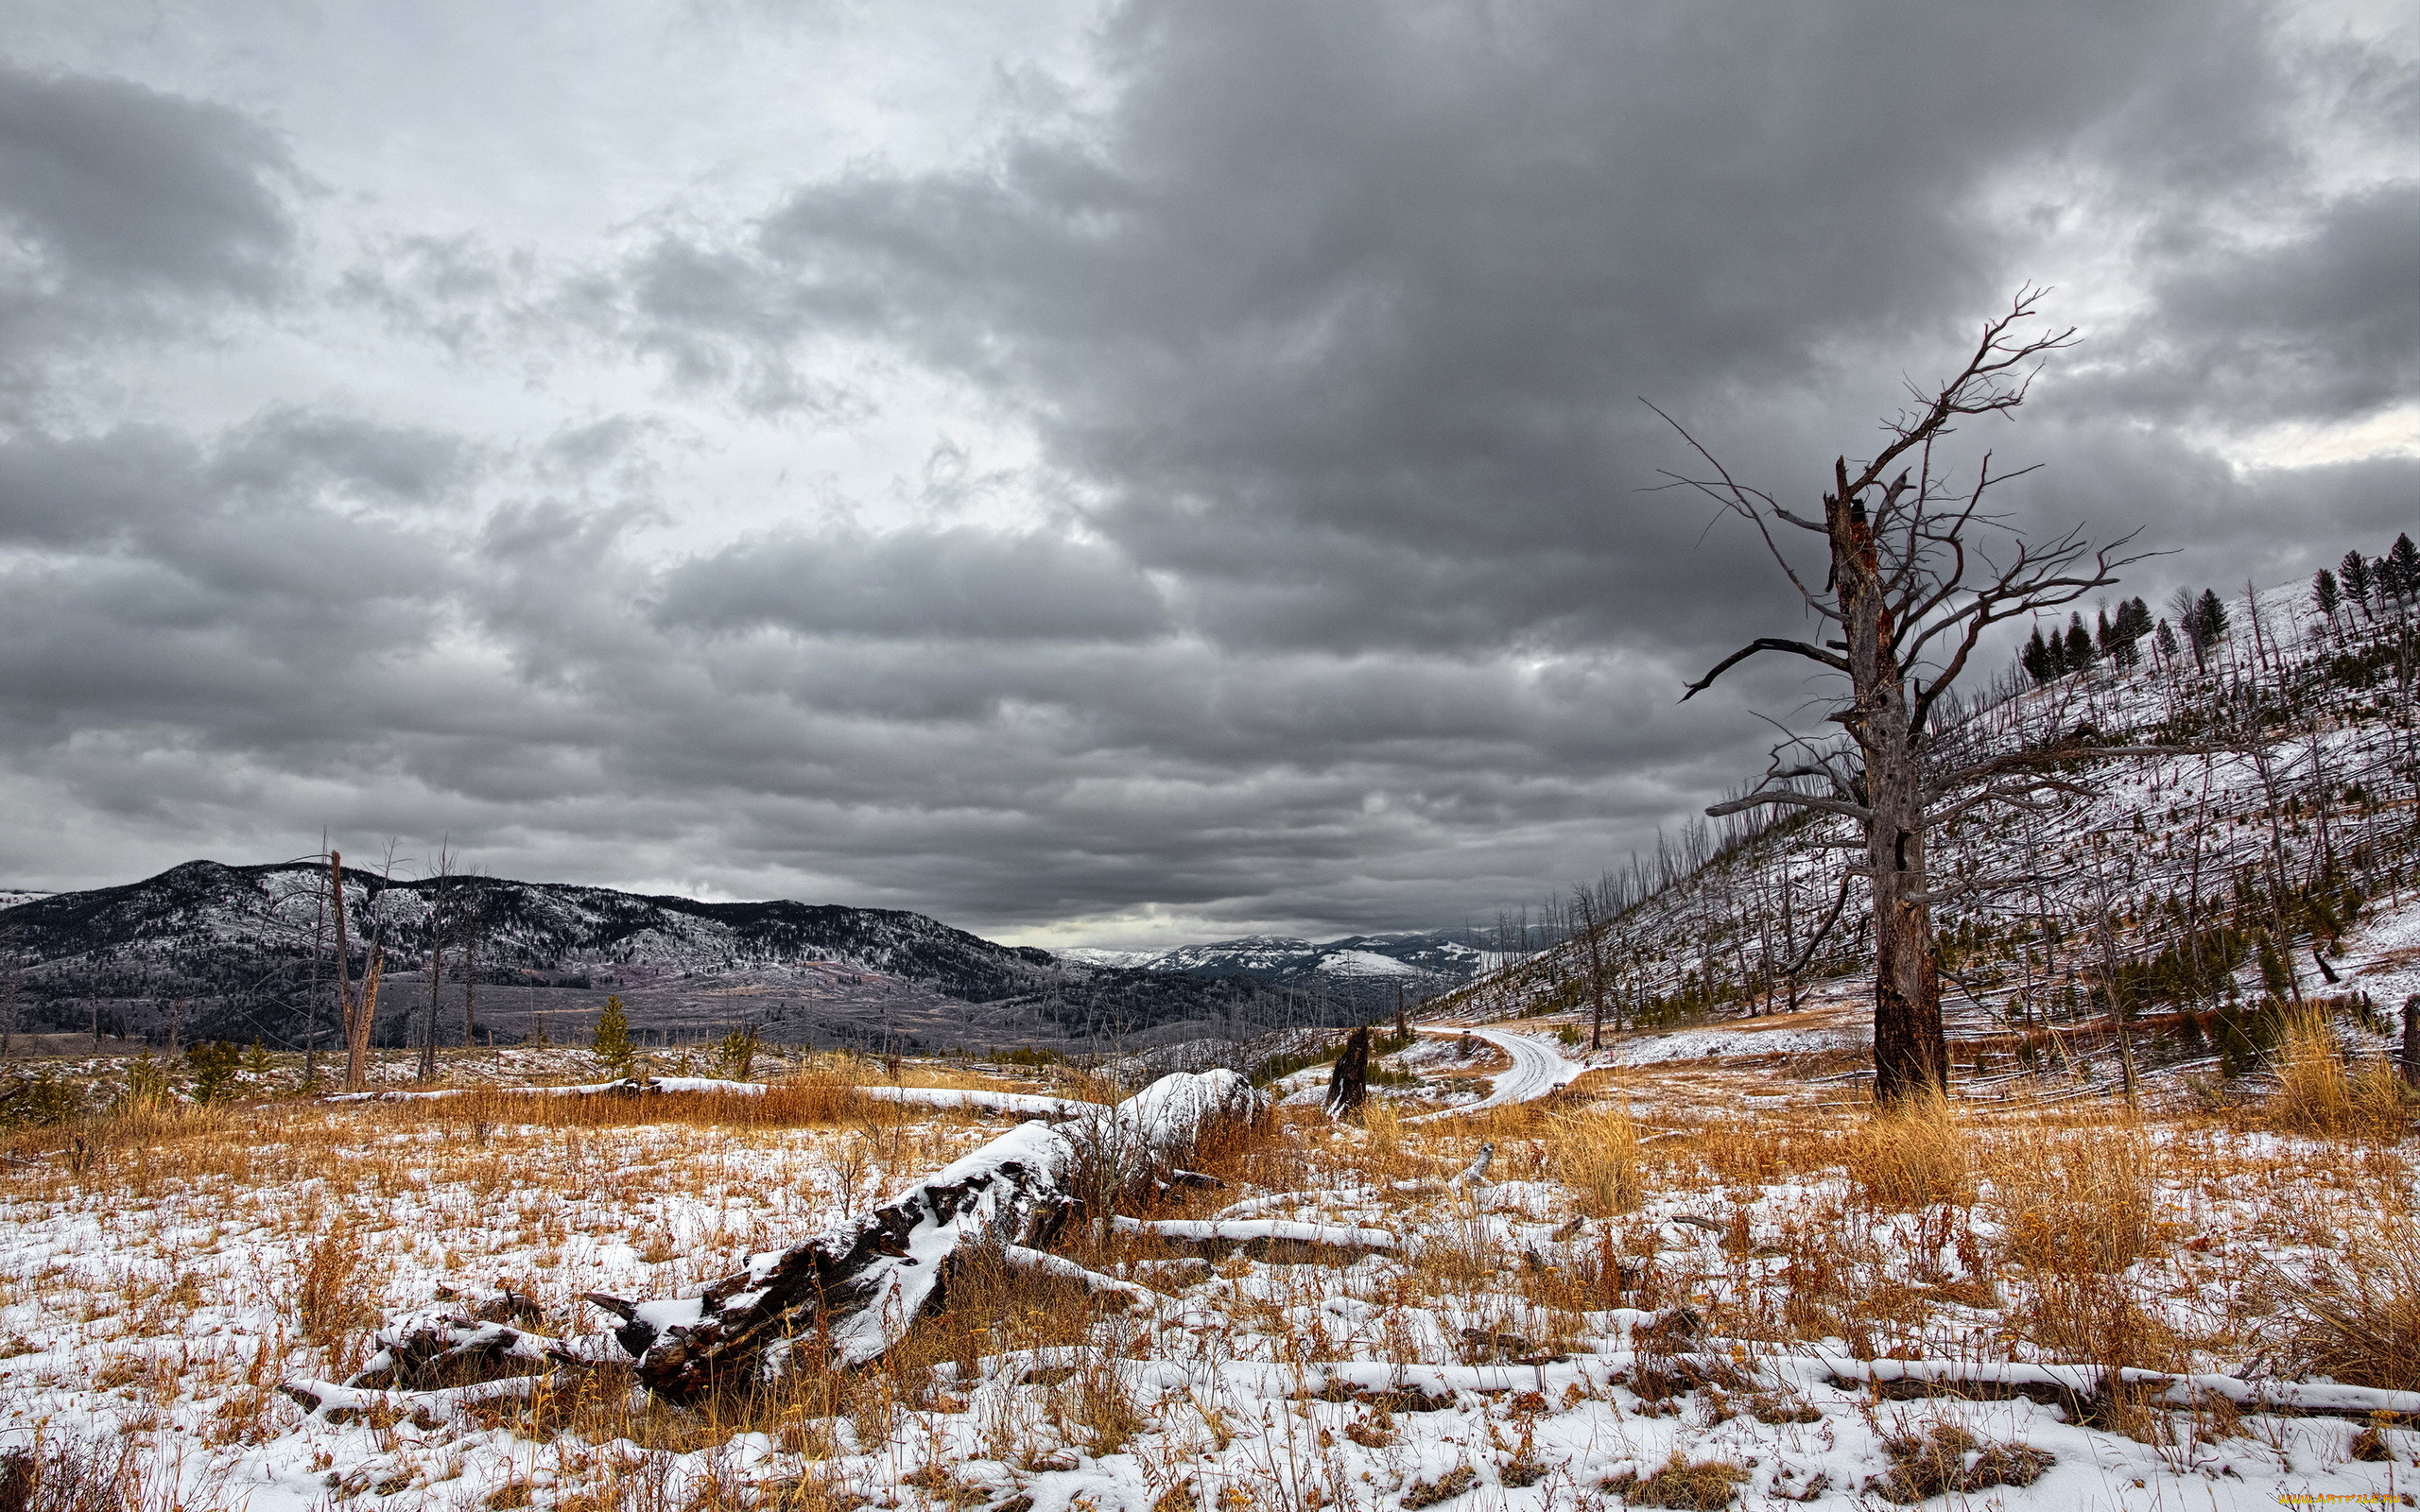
[(2079, 645), (612, 1044), (736, 1056), (214, 1067)]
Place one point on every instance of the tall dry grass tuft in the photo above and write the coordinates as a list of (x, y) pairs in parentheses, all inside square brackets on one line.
[(2317, 1094), (330, 1300), (2079, 1206), (2080, 1202), (1596, 1154), (1912, 1156), (2358, 1320), (69, 1474)]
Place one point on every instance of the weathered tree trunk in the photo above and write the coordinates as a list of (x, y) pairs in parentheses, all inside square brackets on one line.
[(852, 1291), (2412, 1040), (1911, 1056), (1348, 1084), (436, 986), (355, 1072)]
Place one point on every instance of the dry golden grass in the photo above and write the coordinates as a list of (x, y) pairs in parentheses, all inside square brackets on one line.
[(1596, 1154), (1910, 1156), (2049, 1233), (2358, 1320), (1701, 1486), (2317, 1094)]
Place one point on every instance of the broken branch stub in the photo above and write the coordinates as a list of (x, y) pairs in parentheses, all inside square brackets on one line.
[(854, 1290)]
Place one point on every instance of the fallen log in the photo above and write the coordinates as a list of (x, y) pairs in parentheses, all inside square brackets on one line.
[(625, 1087), (2079, 1389), (1042, 1263), (1031, 1105), (851, 1292), (339, 1404), (1236, 1232)]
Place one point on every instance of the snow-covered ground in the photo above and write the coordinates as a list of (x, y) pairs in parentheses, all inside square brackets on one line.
[(1506, 1346)]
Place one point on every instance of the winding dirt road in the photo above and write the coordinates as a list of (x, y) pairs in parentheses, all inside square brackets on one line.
[(1538, 1068)]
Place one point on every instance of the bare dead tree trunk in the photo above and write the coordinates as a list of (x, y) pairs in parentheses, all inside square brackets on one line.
[(356, 1045), (1908, 595), (469, 926), (319, 945), (1591, 931)]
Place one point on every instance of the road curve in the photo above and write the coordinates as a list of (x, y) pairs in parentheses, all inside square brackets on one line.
[(1538, 1068)]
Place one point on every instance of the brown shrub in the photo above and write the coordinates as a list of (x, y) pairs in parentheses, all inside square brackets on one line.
[(1705, 1485), (1948, 1458), (328, 1294)]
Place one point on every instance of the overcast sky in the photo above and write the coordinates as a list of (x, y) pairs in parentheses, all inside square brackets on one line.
[(1096, 476)]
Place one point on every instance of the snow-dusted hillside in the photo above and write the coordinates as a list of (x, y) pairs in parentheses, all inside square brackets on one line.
[(245, 952), (2277, 865), (1366, 967)]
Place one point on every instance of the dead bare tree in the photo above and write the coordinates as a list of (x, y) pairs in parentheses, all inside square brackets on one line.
[(1910, 594)]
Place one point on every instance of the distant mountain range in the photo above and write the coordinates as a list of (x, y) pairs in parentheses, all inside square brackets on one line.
[(1418, 961), (206, 950)]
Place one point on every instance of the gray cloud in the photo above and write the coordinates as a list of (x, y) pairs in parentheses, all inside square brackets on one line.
[(2322, 325), (1347, 311), (1328, 595), (961, 583), (113, 182)]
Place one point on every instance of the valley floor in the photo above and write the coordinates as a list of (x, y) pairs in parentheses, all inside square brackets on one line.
[(1680, 1283)]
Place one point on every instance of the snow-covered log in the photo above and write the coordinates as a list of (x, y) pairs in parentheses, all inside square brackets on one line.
[(2076, 1387), (625, 1087), (326, 1400), (1029, 1103), (856, 1288), (1041, 1263), (1266, 1232), (426, 1348)]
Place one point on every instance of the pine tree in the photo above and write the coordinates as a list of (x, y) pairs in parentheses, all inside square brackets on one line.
[(2079, 645), (2035, 658), (2356, 573), (2212, 614), (2324, 595), (612, 1044), (2165, 641), (2403, 560)]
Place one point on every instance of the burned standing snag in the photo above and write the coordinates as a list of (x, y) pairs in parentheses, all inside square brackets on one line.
[(1348, 1084), (1907, 596)]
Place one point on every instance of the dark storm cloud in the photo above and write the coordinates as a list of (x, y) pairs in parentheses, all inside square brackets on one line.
[(1330, 325), (1347, 307), (129, 210), (113, 182), (2322, 325), (961, 583)]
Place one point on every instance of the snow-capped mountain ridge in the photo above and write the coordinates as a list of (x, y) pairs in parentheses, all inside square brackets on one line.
[(1426, 959), (243, 950)]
